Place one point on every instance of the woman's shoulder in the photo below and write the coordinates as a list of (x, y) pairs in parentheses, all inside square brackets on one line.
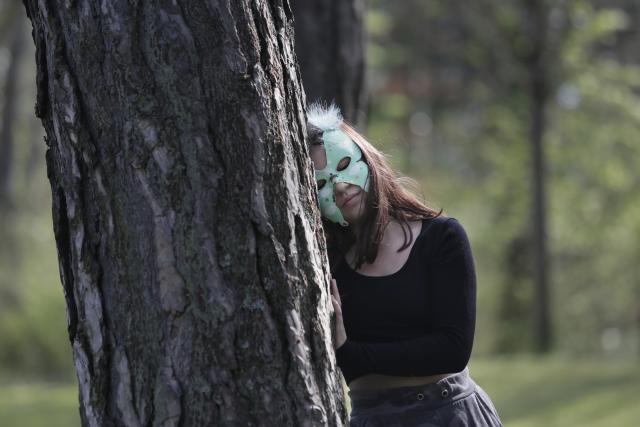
[(448, 238), (440, 223), (443, 222), (444, 234)]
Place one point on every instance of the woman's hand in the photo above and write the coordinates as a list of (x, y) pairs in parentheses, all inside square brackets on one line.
[(341, 334)]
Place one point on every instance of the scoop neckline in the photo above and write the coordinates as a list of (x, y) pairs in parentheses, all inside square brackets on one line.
[(400, 270)]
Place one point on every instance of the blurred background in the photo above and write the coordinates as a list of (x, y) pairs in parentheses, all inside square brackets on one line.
[(521, 121)]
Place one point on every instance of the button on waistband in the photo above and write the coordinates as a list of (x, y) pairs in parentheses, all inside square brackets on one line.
[(444, 392), (420, 396)]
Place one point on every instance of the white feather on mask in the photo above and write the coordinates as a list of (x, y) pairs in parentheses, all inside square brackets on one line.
[(324, 117)]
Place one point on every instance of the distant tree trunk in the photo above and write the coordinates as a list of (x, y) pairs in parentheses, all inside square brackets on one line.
[(9, 114), (9, 9), (190, 248), (539, 93), (515, 300), (330, 45)]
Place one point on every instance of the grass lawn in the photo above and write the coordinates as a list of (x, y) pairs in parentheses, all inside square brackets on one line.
[(552, 391), (527, 391), (38, 404)]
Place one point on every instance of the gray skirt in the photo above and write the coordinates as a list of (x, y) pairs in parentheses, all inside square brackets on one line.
[(455, 400)]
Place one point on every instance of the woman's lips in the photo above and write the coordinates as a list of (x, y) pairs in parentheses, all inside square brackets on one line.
[(350, 200)]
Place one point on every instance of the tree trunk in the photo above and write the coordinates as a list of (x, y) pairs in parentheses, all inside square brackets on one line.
[(190, 248), (330, 46), (515, 299), (539, 90), (9, 116)]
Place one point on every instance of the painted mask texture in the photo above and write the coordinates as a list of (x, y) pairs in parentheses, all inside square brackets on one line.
[(339, 145)]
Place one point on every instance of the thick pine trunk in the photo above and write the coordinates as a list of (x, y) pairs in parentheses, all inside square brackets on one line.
[(190, 249), (330, 46)]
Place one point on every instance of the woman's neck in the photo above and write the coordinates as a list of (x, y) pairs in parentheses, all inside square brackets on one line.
[(392, 234)]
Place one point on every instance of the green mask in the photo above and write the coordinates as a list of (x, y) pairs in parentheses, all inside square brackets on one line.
[(339, 145)]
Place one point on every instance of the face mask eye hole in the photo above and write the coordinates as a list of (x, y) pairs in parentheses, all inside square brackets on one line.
[(320, 183), (344, 163)]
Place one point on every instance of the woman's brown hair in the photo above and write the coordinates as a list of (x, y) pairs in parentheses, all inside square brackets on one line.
[(387, 198)]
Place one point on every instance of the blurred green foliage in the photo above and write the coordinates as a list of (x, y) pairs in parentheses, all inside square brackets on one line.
[(33, 332), (451, 101), (33, 336)]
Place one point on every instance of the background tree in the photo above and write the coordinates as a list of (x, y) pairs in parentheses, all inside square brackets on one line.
[(193, 267), (330, 46), (455, 108), (7, 140), (12, 35), (479, 58)]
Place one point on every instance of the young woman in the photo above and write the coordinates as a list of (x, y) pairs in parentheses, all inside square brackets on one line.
[(403, 289)]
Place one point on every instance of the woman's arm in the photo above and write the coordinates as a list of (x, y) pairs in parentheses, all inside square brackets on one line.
[(447, 347)]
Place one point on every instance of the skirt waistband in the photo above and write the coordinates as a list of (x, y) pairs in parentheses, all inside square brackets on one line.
[(434, 394)]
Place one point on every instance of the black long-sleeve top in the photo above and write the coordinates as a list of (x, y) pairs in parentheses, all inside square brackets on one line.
[(417, 321)]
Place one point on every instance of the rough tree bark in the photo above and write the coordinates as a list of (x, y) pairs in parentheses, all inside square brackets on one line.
[(190, 248), (330, 46)]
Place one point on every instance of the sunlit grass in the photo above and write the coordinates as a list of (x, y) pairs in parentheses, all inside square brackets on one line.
[(35, 404), (527, 391), (555, 391)]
